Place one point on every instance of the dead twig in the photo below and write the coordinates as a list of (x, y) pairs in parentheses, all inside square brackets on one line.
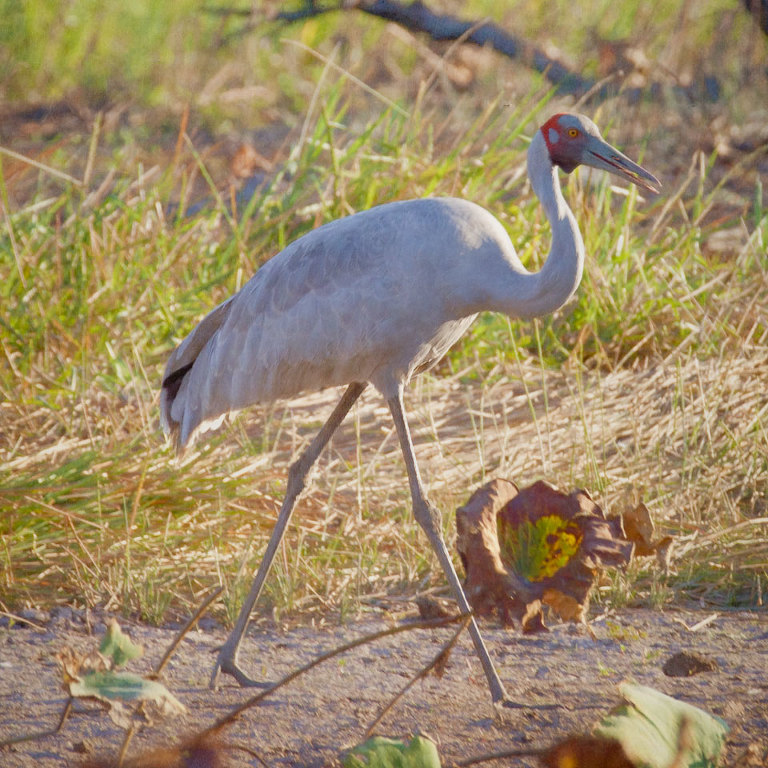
[(21, 620), (437, 663), (418, 17), (42, 734), (203, 607), (235, 713), (184, 630)]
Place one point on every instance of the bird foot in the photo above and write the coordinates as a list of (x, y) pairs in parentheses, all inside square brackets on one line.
[(227, 664)]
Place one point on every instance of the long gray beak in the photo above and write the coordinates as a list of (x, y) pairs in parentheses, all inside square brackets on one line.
[(600, 154)]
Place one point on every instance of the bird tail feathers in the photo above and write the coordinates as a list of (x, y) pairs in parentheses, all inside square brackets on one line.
[(179, 365)]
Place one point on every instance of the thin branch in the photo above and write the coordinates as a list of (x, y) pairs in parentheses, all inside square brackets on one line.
[(437, 662), (129, 734), (235, 713), (42, 734), (21, 620), (183, 631), (202, 608), (418, 17)]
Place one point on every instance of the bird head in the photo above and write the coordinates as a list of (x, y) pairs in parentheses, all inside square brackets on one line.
[(574, 140)]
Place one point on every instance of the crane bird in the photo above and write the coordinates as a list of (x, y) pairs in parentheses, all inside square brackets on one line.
[(377, 297)]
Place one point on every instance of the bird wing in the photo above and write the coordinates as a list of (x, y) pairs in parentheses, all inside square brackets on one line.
[(371, 297)]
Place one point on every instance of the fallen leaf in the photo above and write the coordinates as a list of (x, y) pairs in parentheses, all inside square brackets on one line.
[(640, 529), (538, 549), (73, 663), (586, 752), (203, 750), (532, 618), (489, 587), (537, 545), (659, 731), (117, 647), (566, 607), (124, 686), (381, 752)]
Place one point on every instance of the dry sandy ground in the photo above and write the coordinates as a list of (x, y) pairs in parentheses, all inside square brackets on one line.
[(310, 722)]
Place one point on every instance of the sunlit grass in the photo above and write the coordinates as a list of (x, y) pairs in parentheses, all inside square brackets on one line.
[(651, 381)]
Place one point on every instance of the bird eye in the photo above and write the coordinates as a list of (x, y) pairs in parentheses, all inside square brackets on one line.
[(573, 132)]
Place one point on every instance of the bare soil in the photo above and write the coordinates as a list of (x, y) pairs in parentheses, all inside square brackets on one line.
[(313, 719)]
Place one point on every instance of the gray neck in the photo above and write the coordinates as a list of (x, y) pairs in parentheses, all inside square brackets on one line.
[(539, 293)]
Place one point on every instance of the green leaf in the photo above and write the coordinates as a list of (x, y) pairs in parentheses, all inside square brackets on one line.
[(124, 686), (118, 647), (656, 729), (380, 752), (538, 550)]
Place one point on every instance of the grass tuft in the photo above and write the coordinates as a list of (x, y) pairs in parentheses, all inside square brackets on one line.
[(650, 384)]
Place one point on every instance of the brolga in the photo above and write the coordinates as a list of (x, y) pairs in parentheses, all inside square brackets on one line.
[(376, 298)]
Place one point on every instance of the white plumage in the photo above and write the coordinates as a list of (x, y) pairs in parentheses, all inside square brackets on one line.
[(375, 298)]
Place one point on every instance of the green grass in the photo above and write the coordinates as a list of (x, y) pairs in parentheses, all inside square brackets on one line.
[(651, 382)]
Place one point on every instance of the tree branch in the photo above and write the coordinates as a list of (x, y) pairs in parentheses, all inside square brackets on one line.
[(418, 17)]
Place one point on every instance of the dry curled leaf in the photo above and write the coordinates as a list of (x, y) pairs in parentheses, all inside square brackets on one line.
[(522, 548), (586, 752), (641, 531), (74, 664), (566, 607), (489, 587), (205, 750)]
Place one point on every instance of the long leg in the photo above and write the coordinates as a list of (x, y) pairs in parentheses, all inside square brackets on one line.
[(227, 659), (429, 519)]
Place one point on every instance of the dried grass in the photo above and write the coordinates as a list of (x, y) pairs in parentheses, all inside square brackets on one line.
[(670, 410), (686, 436)]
